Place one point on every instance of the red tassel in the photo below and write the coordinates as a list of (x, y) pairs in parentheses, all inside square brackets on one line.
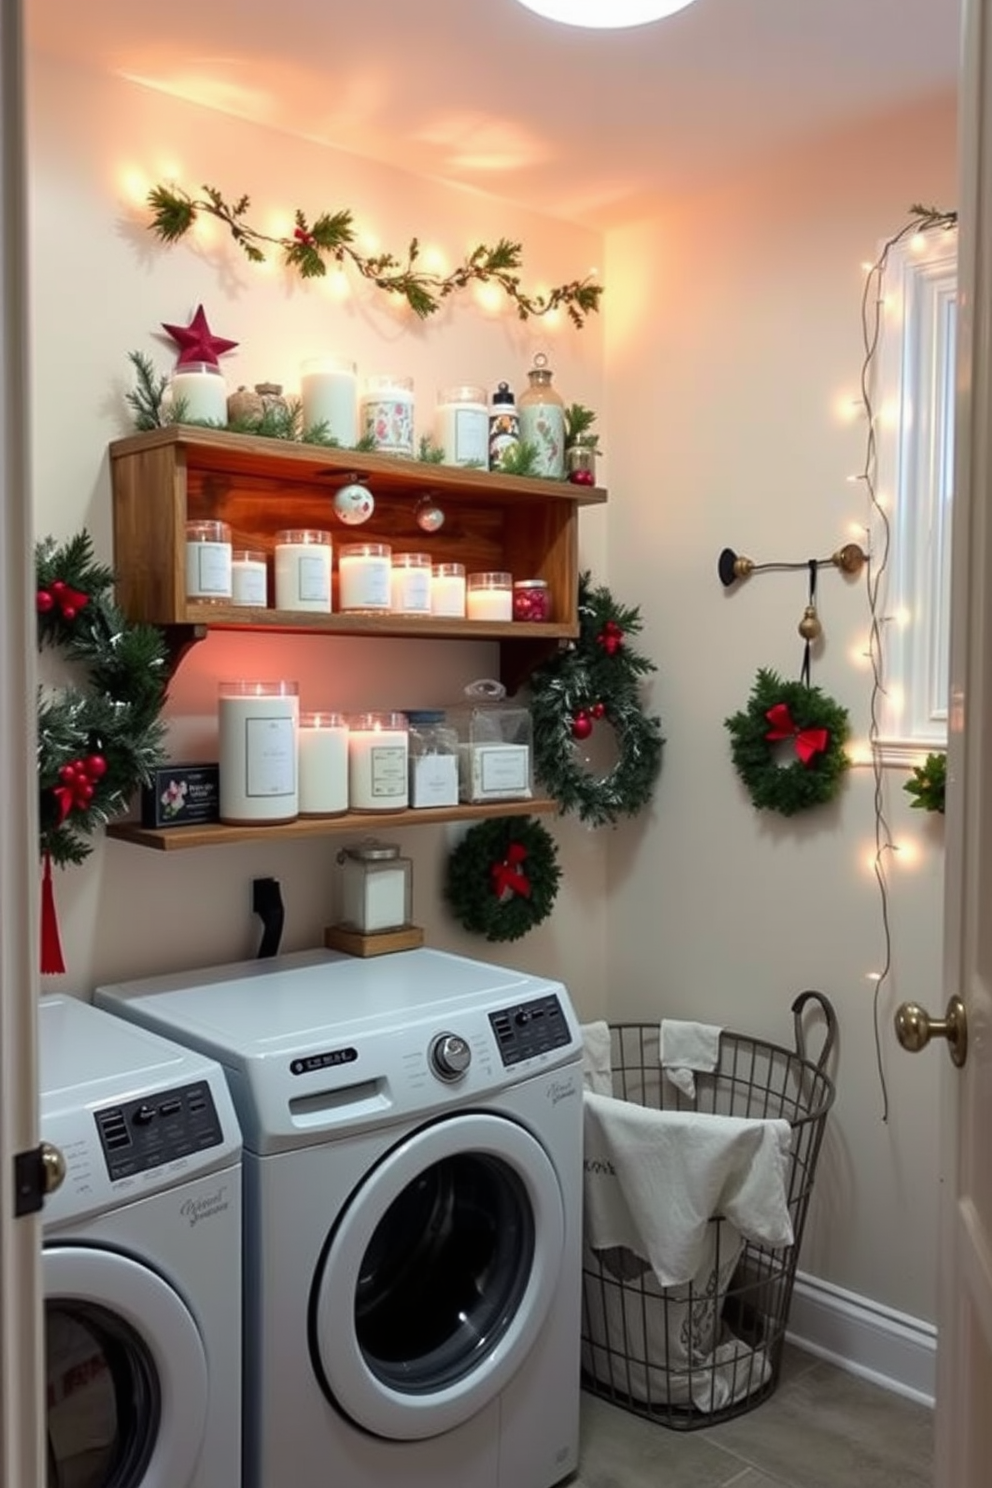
[(52, 962)]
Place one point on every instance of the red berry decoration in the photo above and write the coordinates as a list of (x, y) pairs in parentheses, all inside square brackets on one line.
[(68, 774), (96, 766), (598, 709), (582, 478), (44, 601), (581, 725)]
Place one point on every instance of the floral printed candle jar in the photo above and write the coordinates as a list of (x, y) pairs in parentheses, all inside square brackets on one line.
[(387, 414)]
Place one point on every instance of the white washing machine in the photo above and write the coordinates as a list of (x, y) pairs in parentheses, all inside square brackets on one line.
[(413, 1183), (141, 1258)]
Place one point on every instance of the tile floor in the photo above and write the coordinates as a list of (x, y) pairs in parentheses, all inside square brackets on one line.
[(822, 1428)]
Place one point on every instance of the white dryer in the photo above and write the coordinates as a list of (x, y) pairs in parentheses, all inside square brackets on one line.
[(141, 1260), (413, 1143)]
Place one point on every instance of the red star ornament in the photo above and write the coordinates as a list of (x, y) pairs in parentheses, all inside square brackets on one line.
[(196, 342)]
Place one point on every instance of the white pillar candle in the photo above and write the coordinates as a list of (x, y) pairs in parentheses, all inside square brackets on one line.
[(323, 764), (257, 726), (364, 576), (461, 426), (410, 584), (303, 570), (329, 395), (208, 562), (387, 414), (199, 393), (249, 579), (378, 760), (489, 596), (448, 589)]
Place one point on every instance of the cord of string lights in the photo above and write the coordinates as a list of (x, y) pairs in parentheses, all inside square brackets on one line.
[(921, 220)]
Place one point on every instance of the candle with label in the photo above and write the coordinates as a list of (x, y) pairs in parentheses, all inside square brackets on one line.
[(257, 726), (323, 746), (386, 414), (208, 562), (329, 397), (249, 579), (461, 426), (303, 570), (364, 576), (410, 584), (378, 758)]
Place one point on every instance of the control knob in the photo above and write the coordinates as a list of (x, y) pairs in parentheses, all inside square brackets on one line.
[(450, 1056)]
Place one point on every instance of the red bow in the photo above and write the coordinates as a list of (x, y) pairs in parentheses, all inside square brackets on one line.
[(506, 876), (78, 784), (69, 601), (809, 741), (306, 238)]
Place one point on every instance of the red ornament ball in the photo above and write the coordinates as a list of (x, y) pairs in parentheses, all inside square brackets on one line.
[(598, 710), (44, 601), (582, 478), (68, 774), (581, 725), (96, 766)]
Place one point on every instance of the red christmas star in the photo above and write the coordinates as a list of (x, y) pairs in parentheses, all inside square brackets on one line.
[(196, 342)]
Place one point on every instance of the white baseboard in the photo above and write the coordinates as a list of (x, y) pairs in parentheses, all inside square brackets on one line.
[(890, 1348)]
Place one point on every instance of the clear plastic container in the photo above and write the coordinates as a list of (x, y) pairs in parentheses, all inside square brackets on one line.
[(495, 754), (433, 759)]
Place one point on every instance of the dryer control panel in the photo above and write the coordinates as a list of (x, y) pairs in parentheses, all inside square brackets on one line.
[(171, 1124), (530, 1028)]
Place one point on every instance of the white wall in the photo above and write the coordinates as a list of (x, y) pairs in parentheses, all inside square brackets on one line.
[(102, 285), (724, 403)]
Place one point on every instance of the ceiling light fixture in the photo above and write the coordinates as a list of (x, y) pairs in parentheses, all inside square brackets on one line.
[(605, 14)]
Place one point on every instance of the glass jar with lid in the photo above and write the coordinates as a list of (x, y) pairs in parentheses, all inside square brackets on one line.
[(433, 758), (542, 420), (376, 887)]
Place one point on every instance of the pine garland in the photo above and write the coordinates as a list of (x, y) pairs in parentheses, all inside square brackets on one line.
[(818, 728), (330, 238), (594, 681), (502, 878), (96, 746)]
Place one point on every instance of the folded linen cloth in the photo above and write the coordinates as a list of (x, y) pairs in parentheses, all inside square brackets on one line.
[(597, 1071), (685, 1047), (655, 1179)]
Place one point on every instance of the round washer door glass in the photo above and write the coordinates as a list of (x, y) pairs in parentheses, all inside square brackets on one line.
[(126, 1374), (438, 1276)]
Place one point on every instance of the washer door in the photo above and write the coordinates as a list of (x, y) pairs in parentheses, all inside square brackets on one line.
[(437, 1277), (126, 1374)]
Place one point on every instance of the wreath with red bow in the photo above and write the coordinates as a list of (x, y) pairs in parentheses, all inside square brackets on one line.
[(503, 877), (788, 745), (95, 746)]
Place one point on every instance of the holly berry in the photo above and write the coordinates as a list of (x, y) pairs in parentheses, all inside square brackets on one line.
[(581, 725), (598, 709), (95, 766), (582, 478), (44, 601)]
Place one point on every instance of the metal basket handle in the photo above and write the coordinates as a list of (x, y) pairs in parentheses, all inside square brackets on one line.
[(830, 1020)]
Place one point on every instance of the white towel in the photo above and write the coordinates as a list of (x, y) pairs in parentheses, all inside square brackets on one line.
[(685, 1047), (654, 1180), (597, 1072)]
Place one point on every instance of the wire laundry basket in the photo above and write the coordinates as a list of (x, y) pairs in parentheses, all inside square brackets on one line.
[(692, 1355)]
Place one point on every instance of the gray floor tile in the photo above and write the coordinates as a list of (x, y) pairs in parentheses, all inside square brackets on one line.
[(619, 1450)]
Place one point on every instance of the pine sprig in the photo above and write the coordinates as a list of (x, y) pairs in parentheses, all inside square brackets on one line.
[(330, 239), (145, 400)]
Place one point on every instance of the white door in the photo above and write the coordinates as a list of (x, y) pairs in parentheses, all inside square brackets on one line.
[(964, 1372), (21, 1347)]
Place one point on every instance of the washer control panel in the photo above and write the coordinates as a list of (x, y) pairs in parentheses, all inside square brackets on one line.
[(529, 1028), (140, 1134)]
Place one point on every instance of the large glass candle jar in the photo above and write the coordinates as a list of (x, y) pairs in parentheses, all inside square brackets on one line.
[(386, 414), (329, 398), (489, 596), (461, 426), (208, 562), (410, 584), (365, 576), (303, 570), (378, 760), (199, 394), (323, 752), (257, 727), (448, 589)]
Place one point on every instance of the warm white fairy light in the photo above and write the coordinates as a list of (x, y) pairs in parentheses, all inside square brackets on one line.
[(489, 297)]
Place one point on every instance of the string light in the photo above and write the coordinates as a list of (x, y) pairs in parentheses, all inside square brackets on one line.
[(922, 220)]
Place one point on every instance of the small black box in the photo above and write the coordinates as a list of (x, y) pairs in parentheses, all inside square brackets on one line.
[(180, 795)]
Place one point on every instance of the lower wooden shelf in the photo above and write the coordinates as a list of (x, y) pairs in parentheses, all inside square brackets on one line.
[(218, 834)]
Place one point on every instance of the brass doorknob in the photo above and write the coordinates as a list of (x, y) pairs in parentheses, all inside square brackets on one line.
[(915, 1028), (52, 1167)]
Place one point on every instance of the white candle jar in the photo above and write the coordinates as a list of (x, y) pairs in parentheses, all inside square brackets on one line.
[(461, 426), (257, 726), (208, 562), (199, 394), (329, 398), (489, 596), (448, 589), (410, 584), (386, 414), (323, 754), (365, 577), (376, 888), (378, 758), (303, 570), (249, 579)]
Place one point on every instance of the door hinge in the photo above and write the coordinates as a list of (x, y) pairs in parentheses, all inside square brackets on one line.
[(30, 1181)]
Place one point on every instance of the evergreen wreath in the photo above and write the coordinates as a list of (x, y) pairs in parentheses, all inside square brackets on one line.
[(95, 746), (818, 728), (502, 878), (594, 680)]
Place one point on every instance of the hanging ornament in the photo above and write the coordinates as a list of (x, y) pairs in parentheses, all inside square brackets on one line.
[(429, 516), (196, 342), (610, 638), (581, 725), (809, 626), (598, 710), (353, 504)]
